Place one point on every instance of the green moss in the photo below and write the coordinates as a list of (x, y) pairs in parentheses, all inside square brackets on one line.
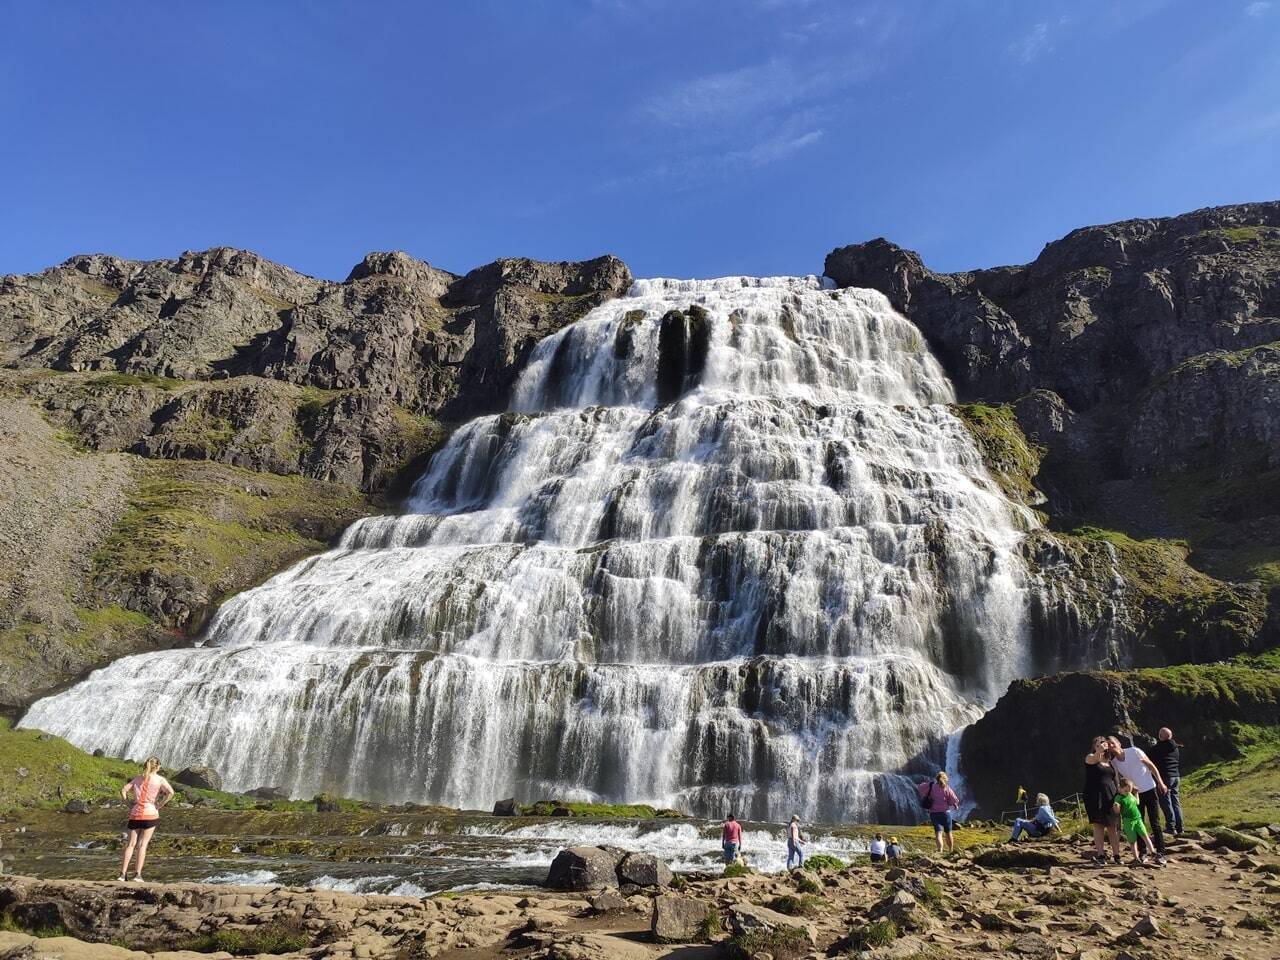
[(1065, 896), (1237, 840), (1013, 460), (806, 883), (121, 380), (112, 618), (1251, 234), (796, 905), (202, 520), (783, 943), (1256, 921), (617, 811), (878, 933), (10, 924), (735, 870), (279, 936), (824, 861), (711, 927), (1016, 857)]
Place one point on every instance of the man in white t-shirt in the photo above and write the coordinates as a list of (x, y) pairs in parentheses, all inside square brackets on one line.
[(1134, 765)]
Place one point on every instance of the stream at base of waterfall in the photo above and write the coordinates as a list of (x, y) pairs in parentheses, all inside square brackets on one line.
[(728, 548)]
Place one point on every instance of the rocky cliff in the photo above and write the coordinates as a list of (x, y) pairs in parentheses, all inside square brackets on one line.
[(1125, 384), (177, 430)]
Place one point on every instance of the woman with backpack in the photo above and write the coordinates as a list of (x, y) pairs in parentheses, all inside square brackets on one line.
[(940, 800)]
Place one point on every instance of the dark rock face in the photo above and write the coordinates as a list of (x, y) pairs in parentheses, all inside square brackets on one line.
[(1020, 741), (203, 778), (506, 808), (683, 340), (1140, 361)]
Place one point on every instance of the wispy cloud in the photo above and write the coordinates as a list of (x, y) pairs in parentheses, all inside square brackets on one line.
[(1035, 43), (1257, 8)]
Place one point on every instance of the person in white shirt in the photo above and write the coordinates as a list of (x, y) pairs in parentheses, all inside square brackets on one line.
[(1134, 765), (878, 848)]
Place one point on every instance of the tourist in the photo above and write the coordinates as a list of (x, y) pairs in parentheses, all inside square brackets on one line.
[(940, 800), (1135, 831), (893, 852), (150, 792), (1133, 764), (1041, 825), (794, 840), (1167, 756), (1099, 796), (878, 848), (731, 839)]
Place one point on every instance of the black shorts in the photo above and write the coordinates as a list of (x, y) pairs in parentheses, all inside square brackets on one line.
[(143, 824)]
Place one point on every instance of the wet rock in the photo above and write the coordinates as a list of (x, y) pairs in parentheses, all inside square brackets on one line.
[(678, 919), (644, 870), (267, 793), (203, 778), (327, 804), (76, 806), (584, 868), (506, 808)]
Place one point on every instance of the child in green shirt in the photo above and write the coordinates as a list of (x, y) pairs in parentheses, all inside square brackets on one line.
[(1135, 831)]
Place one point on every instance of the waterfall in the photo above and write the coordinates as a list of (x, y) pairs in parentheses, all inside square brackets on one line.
[(728, 547)]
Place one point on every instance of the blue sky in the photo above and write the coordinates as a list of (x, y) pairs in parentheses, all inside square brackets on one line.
[(690, 138)]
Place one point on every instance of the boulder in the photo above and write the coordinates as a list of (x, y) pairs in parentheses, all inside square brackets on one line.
[(747, 918), (644, 870), (267, 793), (608, 901), (326, 804), (203, 778), (584, 868), (506, 808), (907, 912), (76, 806), (678, 919)]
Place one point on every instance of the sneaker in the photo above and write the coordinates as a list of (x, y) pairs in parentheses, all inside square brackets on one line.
[(1116, 859), (122, 878), (1160, 860), (138, 879), (1100, 859), (1137, 862)]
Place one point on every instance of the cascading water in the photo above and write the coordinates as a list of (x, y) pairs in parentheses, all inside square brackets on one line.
[(727, 548)]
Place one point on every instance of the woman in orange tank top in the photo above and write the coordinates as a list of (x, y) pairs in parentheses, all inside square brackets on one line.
[(150, 792)]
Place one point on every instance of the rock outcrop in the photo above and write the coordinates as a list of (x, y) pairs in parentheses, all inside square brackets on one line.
[(595, 868), (177, 430), (1125, 381)]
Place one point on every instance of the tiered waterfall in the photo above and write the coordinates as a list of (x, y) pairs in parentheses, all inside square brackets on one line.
[(728, 548)]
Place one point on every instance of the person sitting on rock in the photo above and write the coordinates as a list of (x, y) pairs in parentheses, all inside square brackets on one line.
[(878, 847), (731, 839), (893, 852), (1041, 825)]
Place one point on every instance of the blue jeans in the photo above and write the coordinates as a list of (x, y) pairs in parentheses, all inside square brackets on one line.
[(794, 852), (1171, 804), (941, 821), (730, 852), (1032, 828)]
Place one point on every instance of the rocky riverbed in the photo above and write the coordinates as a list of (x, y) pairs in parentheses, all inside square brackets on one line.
[(1037, 900)]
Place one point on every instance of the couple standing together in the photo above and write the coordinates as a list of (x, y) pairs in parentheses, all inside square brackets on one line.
[(1114, 762)]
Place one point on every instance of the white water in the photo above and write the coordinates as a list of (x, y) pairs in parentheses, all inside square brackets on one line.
[(778, 593)]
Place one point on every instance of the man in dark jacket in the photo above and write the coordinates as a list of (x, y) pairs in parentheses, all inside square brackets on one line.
[(1166, 756)]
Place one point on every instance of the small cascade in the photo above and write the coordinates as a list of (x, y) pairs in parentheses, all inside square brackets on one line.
[(727, 548)]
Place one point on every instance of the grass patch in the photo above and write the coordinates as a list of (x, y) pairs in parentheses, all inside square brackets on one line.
[(878, 933), (279, 936), (1256, 921), (1253, 234), (122, 380), (735, 870), (1065, 896), (784, 943), (824, 861), (806, 884), (795, 905), (1237, 840), (1016, 857), (10, 924), (710, 927)]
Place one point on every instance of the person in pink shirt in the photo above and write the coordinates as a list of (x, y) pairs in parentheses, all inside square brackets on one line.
[(731, 838), (940, 800), (150, 792)]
